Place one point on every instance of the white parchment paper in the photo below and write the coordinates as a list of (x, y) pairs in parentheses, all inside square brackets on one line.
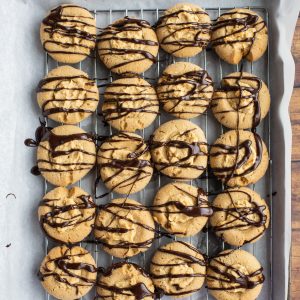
[(21, 67)]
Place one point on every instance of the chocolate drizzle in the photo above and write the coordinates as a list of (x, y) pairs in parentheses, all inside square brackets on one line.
[(114, 33), (138, 167), (247, 93), (58, 216), (138, 290), (227, 173), (61, 26), (194, 149), (242, 217), (119, 104), (196, 97), (64, 270), (185, 260), (201, 30), (238, 26), (233, 277), (56, 105)]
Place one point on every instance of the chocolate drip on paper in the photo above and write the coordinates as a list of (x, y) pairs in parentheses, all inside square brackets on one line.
[(239, 280), (242, 214), (187, 259), (111, 33), (199, 81), (65, 26), (64, 265), (253, 91), (247, 21), (227, 173), (190, 26), (59, 80), (119, 101), (193, 150), (133, 162), (138, 290), (56, 218)]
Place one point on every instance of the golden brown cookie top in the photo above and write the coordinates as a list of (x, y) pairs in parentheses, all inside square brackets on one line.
[(124, 227), (67, 95), (242, 101), (181, 209), (178, 269), (68, 33), (184, 30), (239, 158), (68, 273), (67, 215), (234, 274), (240, 216), (125, 281), (128, 45), (124, 163), (185, 90), (130, 104)]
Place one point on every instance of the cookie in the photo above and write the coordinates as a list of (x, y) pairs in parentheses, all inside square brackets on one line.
[(68, 33), (181, 209), (125, 281), (185, 90), (128, 45), (124, 163), (179, 150), (68, 273), (178, 269), (239, 33), (240, 216), (242, 101), (130, 104), (239, 158), (235, 275), (65, 154), (184, 30), (124, 227), (67, 215), (67, 95)]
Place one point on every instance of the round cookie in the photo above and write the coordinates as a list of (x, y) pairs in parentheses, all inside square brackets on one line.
[(130, 104), (125, 281), (65, 154), (179, 150), (68, 273), (239, 158), (67, 215), (234, 275), (67, 95), (242, 102), (184, 30), (240, 216), (185, 90), (68, 33), (239, 33), (178, 269), (128, 45), (181, 209), (124, 163), (124, 227)]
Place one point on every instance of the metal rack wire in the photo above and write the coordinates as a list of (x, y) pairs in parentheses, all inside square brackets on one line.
[(209, 61)]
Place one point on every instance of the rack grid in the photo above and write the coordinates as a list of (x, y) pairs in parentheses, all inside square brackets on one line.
[(206, 242)]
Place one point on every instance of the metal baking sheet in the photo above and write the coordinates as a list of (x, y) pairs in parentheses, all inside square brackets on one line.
[(18, 217)]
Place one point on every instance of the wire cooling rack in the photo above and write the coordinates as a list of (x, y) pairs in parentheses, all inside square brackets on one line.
[(206, 242)]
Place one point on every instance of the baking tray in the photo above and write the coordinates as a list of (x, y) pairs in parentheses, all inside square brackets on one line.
[(23, 64), (206, 241)]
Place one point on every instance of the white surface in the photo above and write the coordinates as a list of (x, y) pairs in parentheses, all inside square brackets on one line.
[(21, 67)]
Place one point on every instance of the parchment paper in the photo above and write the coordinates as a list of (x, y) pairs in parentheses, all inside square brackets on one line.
[(21, 67)]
